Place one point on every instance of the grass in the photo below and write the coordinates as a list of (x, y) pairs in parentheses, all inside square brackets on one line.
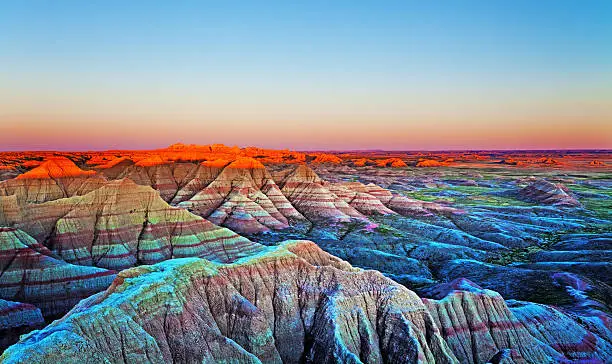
[(387, 230), (600, 207), (517, 255), (523, 255), (581, 188), (473, 195)]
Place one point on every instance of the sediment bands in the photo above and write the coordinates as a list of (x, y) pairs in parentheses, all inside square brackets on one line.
[(290, 303)]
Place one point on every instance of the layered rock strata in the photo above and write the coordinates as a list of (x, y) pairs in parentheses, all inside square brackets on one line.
[(57, 177), (123, 224), (308, 193), (30, 273), (293, 303), (244, 198), (17, 318), (544, 192)]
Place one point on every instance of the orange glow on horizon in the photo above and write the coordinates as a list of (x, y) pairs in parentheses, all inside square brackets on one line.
[(24, 134)]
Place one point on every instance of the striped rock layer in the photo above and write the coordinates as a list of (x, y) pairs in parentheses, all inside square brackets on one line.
[(308, 193), (372, 199), (408, 206), (357, 195), (8, 172), (56, 178), (175, 182), (478, 325), (295, 303), (544, 192), (292, 303), (238, 194), (563, 333), (30, 273), (123, 224), (17, 318), (244, 198)]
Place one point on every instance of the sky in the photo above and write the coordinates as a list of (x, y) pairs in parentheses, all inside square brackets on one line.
[(308, 75)]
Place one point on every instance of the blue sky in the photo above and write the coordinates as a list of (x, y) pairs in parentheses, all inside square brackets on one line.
[(464, 68)]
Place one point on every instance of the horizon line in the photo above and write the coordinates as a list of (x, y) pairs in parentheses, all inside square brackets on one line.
[(327, 150)]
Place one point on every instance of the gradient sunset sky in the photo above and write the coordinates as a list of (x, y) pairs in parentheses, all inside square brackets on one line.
[(84, 75)]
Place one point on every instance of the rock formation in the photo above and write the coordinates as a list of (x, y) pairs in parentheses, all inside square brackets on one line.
[(244, 198), (295, 303), (477, 325), (123, 224), (174, 181), (430, 163), (30, 273), (8, 172), (391, 162), (56, 178), (292, 303), (17, 318), (544, 192), (562, 332), (326, 158), (362, 162), (358, 196), (306, 191), (597, 163), (405, 205), (64, 231)]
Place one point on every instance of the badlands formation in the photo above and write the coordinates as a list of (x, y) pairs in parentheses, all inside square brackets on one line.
[(222, 254)]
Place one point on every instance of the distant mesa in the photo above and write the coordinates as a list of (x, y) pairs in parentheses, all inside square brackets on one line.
[(597, 163), (216, 163), (381, 163), (430, 163), (31, 164), (391, 162), (112, 162), (97, 160), (56, 167), (444, 161), (547, 160), (362, 162), (326, 158), (514, 162), (532, 162), (153, 160), (56, 178), (198, 153)]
